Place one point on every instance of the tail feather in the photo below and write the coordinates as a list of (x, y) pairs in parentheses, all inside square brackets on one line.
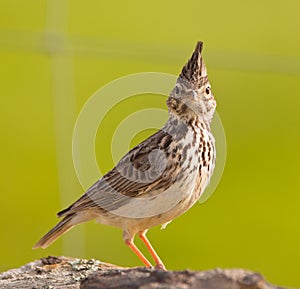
[(63, 226), (64, 212)]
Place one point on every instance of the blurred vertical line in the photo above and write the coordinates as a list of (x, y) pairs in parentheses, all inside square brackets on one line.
[(62, 66)]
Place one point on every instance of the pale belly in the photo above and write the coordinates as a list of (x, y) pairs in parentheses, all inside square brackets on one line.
[(143, 213)]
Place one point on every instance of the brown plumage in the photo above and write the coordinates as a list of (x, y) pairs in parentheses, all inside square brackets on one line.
[(160, 178)]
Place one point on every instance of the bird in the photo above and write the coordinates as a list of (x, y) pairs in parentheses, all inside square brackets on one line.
[(162, 177)]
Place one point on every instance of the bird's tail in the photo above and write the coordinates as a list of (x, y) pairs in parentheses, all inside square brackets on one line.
[(67, 223)]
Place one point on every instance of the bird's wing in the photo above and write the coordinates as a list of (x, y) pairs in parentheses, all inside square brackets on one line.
[(146, 170)]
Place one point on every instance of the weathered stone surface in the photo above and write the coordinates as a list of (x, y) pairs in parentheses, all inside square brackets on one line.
[(52, 272), (143, 278), (71, 273)]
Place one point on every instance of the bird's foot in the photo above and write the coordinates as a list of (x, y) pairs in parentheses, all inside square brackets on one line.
[(160, 266)]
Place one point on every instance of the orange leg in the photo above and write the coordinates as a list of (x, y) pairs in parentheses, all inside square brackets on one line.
[(136, 250), (158, 262)]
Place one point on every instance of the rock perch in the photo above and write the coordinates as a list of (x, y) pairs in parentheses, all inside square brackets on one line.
[(71, 273)]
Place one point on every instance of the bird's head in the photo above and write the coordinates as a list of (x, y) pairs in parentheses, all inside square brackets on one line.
[(192, 95)]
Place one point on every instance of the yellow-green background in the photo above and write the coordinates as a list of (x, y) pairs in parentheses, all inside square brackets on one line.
[(55, 54)]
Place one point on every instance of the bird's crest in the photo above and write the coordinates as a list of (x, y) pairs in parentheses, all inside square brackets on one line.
[(194, 71)]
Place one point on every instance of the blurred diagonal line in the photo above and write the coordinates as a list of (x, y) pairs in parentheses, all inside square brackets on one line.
[(62, 67), (254, 62), (51, 42), (16, 41), (220, 59)]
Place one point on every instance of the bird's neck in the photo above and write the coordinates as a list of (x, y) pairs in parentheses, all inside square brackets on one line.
[(189, 120), (179, 128)]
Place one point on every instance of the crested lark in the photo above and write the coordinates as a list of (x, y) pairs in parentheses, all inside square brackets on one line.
[(162, 177)]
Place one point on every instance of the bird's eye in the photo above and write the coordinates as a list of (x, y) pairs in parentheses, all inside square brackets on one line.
[(207, 90)]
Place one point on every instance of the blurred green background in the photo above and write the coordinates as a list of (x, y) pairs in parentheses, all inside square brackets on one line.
[(55, 54)]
